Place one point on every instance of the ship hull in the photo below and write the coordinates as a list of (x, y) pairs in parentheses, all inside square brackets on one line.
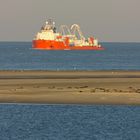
[(58, 45)]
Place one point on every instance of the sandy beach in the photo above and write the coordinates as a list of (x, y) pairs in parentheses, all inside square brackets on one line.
[(70, 87)]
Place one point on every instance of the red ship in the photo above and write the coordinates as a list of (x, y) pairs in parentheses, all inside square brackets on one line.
[(68, 39)]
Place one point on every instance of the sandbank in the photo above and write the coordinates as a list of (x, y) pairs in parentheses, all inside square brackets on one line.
[(70, 87)]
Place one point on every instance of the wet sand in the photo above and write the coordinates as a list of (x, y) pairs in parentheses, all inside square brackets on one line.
[(70, 87)]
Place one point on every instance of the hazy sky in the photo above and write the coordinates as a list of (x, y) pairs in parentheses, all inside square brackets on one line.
[(108, 20)]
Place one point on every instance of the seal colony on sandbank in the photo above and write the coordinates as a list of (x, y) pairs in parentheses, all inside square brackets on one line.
[(70, 87)]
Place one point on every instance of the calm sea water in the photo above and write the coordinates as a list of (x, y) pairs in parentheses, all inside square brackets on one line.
[(69, 122), (117, 56)]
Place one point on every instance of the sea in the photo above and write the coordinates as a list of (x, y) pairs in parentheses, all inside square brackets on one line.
[(69, 122)]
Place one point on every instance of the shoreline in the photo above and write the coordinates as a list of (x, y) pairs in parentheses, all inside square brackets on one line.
[(111, 87)]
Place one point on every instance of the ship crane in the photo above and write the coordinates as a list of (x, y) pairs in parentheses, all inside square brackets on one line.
[(65, 31), (76, 28)]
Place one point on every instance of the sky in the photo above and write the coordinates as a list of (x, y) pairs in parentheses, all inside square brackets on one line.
[(107, 20)]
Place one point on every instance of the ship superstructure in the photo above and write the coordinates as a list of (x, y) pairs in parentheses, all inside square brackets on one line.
[(67, 39)]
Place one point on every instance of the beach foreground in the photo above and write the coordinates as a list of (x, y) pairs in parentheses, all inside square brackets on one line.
[(70, 87)]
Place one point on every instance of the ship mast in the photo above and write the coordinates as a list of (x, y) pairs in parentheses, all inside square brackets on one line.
[(50, 25)]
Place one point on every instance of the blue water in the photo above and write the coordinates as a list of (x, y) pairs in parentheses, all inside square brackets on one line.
[(116, 56), (69, 122)]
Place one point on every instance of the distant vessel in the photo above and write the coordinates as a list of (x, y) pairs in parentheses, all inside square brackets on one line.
[(67, 39)]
